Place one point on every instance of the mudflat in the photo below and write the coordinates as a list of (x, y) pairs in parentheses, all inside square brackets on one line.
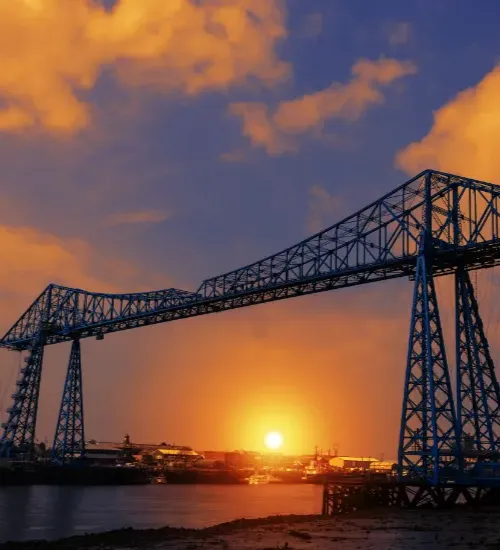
[(383, 529)]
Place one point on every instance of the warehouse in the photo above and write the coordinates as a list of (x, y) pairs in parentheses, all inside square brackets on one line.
[(350, 463)]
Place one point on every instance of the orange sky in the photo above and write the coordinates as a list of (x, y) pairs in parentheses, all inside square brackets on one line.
[(155, 145)]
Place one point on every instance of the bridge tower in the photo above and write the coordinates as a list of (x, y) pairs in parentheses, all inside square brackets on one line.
[(428, 442), (428, 438), (69, 438), (439, 442), (478, 392), (19, 429)]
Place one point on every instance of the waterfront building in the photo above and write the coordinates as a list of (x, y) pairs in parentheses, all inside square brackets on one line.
[(352, 463)]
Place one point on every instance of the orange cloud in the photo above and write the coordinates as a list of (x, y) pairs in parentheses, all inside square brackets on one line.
[(277, 132), (464, 136), (322, 207), (138, 216), (53, 51), (31, 259)]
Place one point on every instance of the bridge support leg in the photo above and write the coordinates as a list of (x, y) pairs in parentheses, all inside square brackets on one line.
[(478, 392), (428, 437), (19, 429), (69, 439)]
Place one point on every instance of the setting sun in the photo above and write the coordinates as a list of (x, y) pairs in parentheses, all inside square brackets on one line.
[(273, 441)]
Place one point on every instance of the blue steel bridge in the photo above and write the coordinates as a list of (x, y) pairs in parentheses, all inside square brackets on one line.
[(434, 224)]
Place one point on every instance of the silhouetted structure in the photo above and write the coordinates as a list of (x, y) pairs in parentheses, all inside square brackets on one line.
[(434, 224)]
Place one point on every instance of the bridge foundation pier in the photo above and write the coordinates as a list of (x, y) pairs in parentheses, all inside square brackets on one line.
[(346, 497)]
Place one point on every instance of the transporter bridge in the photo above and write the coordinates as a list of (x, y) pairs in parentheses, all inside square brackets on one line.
[(433, 225)]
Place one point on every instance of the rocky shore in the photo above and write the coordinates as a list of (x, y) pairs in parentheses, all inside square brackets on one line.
[(459, 529)]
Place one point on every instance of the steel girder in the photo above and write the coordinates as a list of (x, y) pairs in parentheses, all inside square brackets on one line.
[(19, 429), (69, 438), (378, 242), (428, 444), (478, 392)]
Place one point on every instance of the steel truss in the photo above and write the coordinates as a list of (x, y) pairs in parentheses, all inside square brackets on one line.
[(446, 496), (431, 225), (69, 439), (379, 242), (19, 429), (344, 498), (428, 438), (478, 392)]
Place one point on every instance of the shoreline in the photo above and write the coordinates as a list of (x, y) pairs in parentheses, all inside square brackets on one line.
[(129, 536), (377, 529)]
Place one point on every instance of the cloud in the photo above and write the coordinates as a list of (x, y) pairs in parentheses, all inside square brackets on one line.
[(137, 216), (399, 33), (322, 206), (238, 155), (278, 132), (53, 52), (464, 135), (31, 259)]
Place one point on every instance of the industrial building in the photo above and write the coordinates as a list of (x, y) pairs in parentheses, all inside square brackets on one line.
[(103, 453), (167, 456), (350, 463), (384, 467)]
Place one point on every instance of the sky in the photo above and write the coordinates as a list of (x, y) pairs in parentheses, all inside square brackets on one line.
[(153, 144)]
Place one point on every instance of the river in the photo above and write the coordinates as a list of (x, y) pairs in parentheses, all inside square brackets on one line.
[(50, 512)]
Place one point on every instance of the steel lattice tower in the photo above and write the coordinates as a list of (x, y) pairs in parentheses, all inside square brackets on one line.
[(69, 438), (478, 395), (428, 438), (19, 429)]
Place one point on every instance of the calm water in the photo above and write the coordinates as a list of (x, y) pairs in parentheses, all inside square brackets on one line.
[(54, 512)]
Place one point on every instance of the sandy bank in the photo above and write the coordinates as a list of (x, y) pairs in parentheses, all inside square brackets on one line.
[(377, 530)]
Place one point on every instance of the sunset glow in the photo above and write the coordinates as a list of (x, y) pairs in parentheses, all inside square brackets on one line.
[(155, 145), (273, 441)]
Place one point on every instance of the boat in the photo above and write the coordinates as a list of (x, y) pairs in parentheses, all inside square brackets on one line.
[(159, 480), (286, 476), (259, 479)]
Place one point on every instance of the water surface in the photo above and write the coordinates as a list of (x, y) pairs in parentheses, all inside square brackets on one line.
[(49, 512)]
